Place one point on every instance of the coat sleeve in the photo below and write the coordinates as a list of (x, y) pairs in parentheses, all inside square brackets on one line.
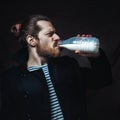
[(100, 73)]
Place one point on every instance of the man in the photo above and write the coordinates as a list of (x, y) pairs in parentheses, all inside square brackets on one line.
[(27, 91)]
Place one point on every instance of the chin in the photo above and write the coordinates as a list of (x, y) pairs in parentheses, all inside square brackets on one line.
[(57, 54)]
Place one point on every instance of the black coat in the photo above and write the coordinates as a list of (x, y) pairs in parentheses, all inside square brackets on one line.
[(25, 94)]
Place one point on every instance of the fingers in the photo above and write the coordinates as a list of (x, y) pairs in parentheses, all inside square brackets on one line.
[(84, 35), (88, 35), (78, 35), (77, 51)]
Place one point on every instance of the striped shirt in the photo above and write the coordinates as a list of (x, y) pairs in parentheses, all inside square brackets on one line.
[(56, 112)]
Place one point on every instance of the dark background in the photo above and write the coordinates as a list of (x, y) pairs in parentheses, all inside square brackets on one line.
[(99, 18)]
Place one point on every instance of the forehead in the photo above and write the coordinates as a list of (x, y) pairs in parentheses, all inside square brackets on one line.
[(45, 25)]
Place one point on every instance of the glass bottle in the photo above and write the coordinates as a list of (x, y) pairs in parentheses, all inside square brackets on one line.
[(84, 44)]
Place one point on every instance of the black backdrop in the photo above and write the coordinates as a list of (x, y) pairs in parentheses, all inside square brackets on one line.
[(97, 18)]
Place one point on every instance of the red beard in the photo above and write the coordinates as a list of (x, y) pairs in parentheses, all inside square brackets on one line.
[(48, 52)]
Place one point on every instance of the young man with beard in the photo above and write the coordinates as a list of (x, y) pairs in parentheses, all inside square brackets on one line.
[(44, 85)]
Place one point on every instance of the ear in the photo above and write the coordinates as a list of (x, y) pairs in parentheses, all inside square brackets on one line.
[(31, 40)]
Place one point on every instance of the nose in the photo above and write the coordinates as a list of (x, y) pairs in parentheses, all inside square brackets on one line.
[(56, 37)]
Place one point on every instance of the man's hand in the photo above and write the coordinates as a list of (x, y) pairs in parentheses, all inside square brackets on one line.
[(85, 54)]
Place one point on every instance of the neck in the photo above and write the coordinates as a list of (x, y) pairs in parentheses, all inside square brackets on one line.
[(36, 60)]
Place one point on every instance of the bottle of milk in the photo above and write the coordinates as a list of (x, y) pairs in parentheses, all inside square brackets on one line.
[(84, 44)]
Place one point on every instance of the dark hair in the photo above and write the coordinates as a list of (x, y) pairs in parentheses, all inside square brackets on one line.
[(20, 30), (28, 26)]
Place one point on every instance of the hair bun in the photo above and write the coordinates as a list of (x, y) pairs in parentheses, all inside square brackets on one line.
[(16, 29)]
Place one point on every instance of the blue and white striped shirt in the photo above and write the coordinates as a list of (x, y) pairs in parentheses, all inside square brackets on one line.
[(56, 112)]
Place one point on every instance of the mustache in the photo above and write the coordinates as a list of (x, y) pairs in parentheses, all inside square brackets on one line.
[(56, 44)]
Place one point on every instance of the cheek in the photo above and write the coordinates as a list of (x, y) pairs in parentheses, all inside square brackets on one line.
[(44, 43), (44, 47)]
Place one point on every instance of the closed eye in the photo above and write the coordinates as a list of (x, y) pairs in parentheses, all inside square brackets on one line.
[(50, 34)]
